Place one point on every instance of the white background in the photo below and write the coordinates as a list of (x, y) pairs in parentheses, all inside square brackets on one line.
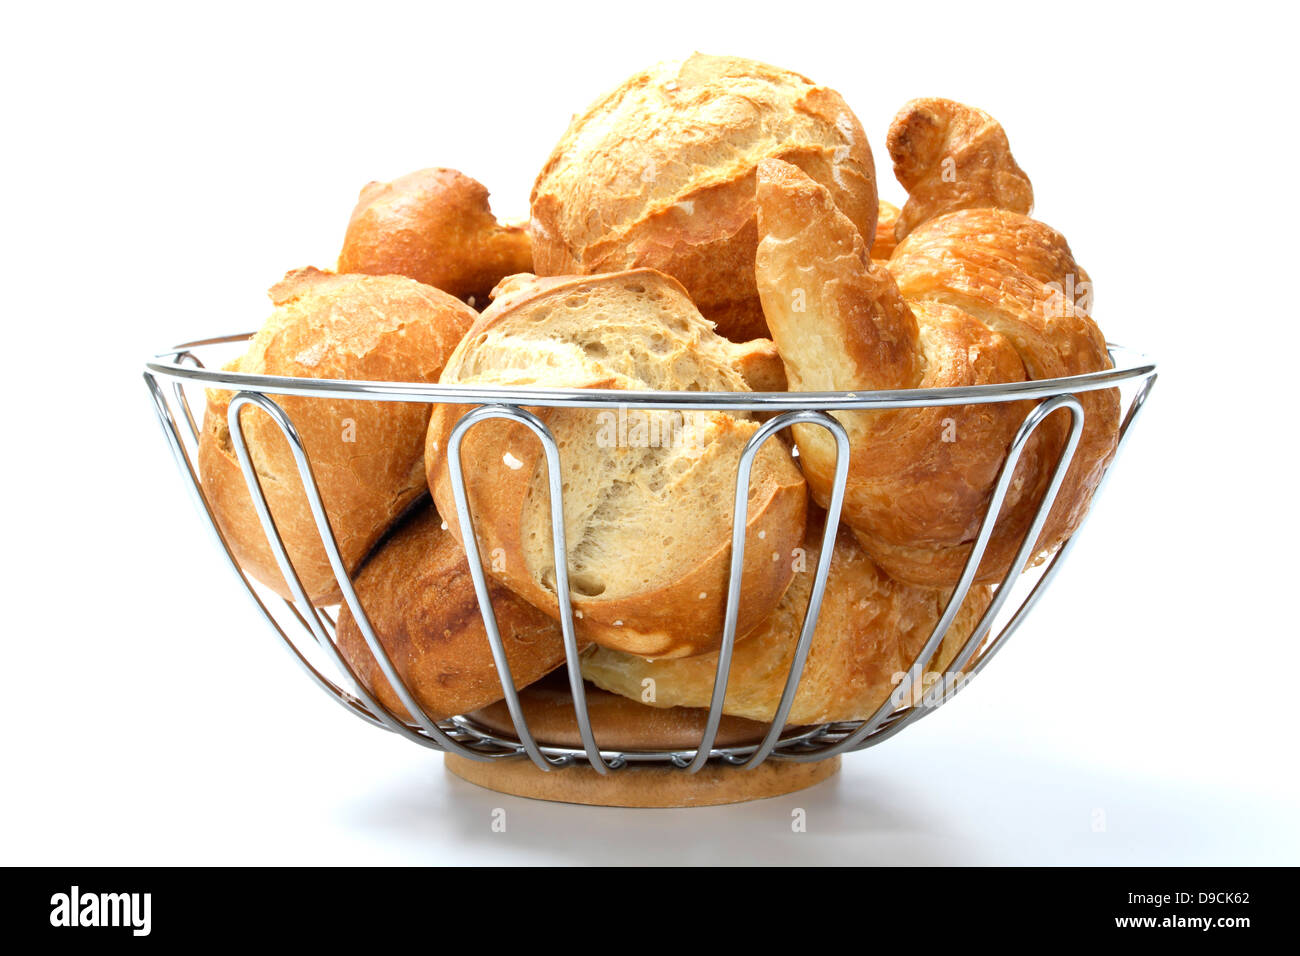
[(162, 167)]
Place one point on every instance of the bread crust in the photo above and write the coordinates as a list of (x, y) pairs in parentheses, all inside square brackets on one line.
[(618, 723), (869, 631), (965, 299), (660, 172), (367, 457), (418, 594), (883, 245), (434, 226), (950, 156), (648, 526)]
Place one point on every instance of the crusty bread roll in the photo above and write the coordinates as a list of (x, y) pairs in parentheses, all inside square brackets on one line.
[(434, 226), (647, 495), (660, 172), (870, 630), (970, 297), (417, 592), (760, 365), (367, 456), (616, 722)]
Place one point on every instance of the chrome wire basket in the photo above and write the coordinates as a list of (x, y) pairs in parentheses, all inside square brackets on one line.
[(309, 632)]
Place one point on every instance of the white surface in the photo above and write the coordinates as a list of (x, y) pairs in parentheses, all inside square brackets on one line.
[(161, 168)]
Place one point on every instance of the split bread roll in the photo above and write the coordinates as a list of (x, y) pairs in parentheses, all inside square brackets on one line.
[(434, 226), (647, 495), (660, 172), (969, 297), (869, 632), (419, 597), (367, 457)]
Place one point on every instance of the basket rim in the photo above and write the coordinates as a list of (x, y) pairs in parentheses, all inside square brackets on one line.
[(1129, 366)]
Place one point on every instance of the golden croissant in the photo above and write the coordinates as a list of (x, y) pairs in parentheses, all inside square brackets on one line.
[(975, 293)]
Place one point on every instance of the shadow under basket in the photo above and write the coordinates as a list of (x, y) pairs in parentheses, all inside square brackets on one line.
[(566, 741)]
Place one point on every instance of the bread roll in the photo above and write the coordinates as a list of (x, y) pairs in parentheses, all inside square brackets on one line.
[(417, 592), (647, 495), (760, 365), (660, 172), (434, 226), (869, 631), (976, 296), (616, 722), (367, 456)]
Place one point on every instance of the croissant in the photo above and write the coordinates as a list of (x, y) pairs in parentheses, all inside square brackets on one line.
[(882, 246), (975, 293)]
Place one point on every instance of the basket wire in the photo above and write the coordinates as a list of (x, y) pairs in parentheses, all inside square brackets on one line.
[(460, 735)]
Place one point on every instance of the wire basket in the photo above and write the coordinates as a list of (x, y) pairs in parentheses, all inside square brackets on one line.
[(309, 632)]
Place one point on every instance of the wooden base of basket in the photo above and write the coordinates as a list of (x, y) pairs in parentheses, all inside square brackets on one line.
[(643, 786)]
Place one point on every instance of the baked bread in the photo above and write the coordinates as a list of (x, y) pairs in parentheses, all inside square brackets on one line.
[(969, 297), (885, 241), (617, 722), (647, 495), (367, 456), (434, 226), (869, 632), (660, 172), (950, 156), (419, 597)]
